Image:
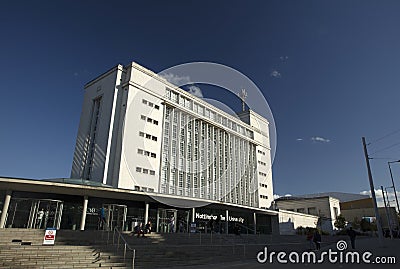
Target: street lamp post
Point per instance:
(387, 213)
(394, 188)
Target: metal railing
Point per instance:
(118, 240)
(247, 228)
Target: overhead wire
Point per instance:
(383, 137)
(386, 148)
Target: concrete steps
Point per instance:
(79, 249)
(71, 250)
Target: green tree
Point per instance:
(355, 224)
(340, 222)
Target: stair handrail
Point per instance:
(127, 247)
(247, 228)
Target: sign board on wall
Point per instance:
(193, 227)
(49, 236)
(222, 218)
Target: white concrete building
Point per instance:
(140, 132)
(326, 208)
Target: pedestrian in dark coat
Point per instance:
(352, 234)
(317, 240)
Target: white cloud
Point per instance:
(275, 74)
(320, 139)
(181, 81)
(196, 91)
(299, 139)
(379, 197)
(284, 58)
(276, 196)
(175, 79)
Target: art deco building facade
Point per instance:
(139, 132)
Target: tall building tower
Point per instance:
(140, 132)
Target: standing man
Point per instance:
(172, 223)
(317, 240)
(352, 234)
(39, 219)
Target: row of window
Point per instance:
(145, 102)
(148, 136)
(310, 210)
(212, 158)
(262, 174)
(146, 153)
(263, 196)
(143, 117)
(145, 171)
(138, 188)
(261, 152)
(263, 185)
(262, 163)
(208, 113)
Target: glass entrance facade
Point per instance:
(42, 210)
(34, 213)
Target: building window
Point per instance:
(149, 120)
(145, 171)
(152, 172)
(144, 101)
(148, 136)
(157, 107)
(153, 138)
(140, 151)
(153, 155)
(155, 122)
(150, 104)
(143, 117)
(141, 134)
(312, 210)
(138, 169)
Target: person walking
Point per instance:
(172, 224)
(39, 219)
(317, 240)
(352, 234)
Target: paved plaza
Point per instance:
(390, 248)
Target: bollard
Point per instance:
(133, 259)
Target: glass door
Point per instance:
(115, 216)
(35, 214)
(167, 220)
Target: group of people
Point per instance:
(141, 229)
(41, 219)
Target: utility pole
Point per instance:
(371, 184)
(394, 188)
(387, 213)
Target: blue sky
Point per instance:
(330, 71)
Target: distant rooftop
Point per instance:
(341, 196)
(77, 181)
